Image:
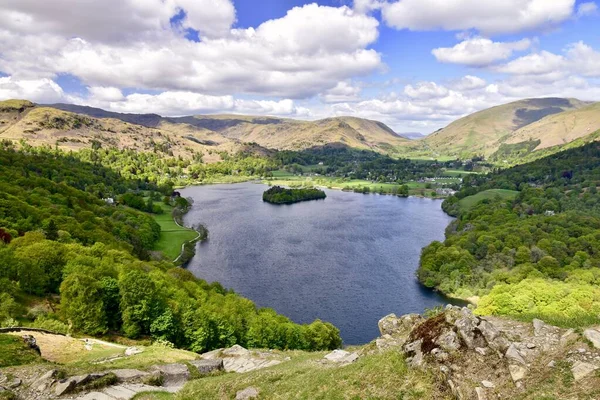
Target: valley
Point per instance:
(100, 212)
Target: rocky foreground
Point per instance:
(470, 357)
(488, 357)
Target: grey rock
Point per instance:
(481, 350)
(341, 356)
(32, 343)
(44, 381)
(593, 335)
(513, 355)
(413, 350)
(246, 394)
(517, 372)
(440, 355)
(480, 393)
(494, 338)
(488, 384)
(399, 328)
(581, 370)
(14, 383)
(208, 366)
(236, 351)
(448, 341)
(212, 354)
(174, 374)
(539, 327)
(65, 386)
(131, 351)
(552, 364)
(125, 375)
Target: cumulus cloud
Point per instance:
(425, 91)
(342, 92)
(585, 9)
(508, 16)
(105, 93)
(114, 20)
(479, 52)
(468, 82)
(304, 53)
(37, 90)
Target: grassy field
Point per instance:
(380, 376)
(470, 201)
(284, 178)
(172, 236)
(15, 352)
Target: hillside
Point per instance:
(269, 132)
(483, 132)
(559, 129)
(43, 125)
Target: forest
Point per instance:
(279, 195)
(536, 255)
(71, 261)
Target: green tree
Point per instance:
(82, 305)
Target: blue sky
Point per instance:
(413, 64)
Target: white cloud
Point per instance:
(479, 51)
(579, 58)
(425, 91)
(365, 6)
(586, 9)
(342, 92)
(540, 63)
(488, 17)
(106, 93)
(177, 103)
(113, 20)
(304, 53)
(36, 90)
(468, 82)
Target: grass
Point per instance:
(380, 376)
(172, 236)
(470, 201)
(13, 352)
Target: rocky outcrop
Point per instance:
(498, 353)
(239, 359)
(341, 357)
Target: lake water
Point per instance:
(349, 259)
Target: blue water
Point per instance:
(349, 259)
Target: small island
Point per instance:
(279, 195)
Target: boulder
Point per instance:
(413, 350)
(399, 328)
(212, 354)
(65, 386)
(208, 366)
(32, 343)
(513, 355)
(126, 375)
(582, 369)
(173, 374)
(246, 394)
(488, 384)
(341, 357)
(539, 327)
(517, 372)
(235, 351)
(130, 351)
(44, 381)
(593, 335)
(480, 393)
(448, 341)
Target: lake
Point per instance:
(349, 259)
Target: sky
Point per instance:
(415, 65)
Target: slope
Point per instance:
(269, 132)
(560, 128)
(483, 132)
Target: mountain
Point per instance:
(483, 132)
(269, 132)
(559, 129)
(46, 125)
